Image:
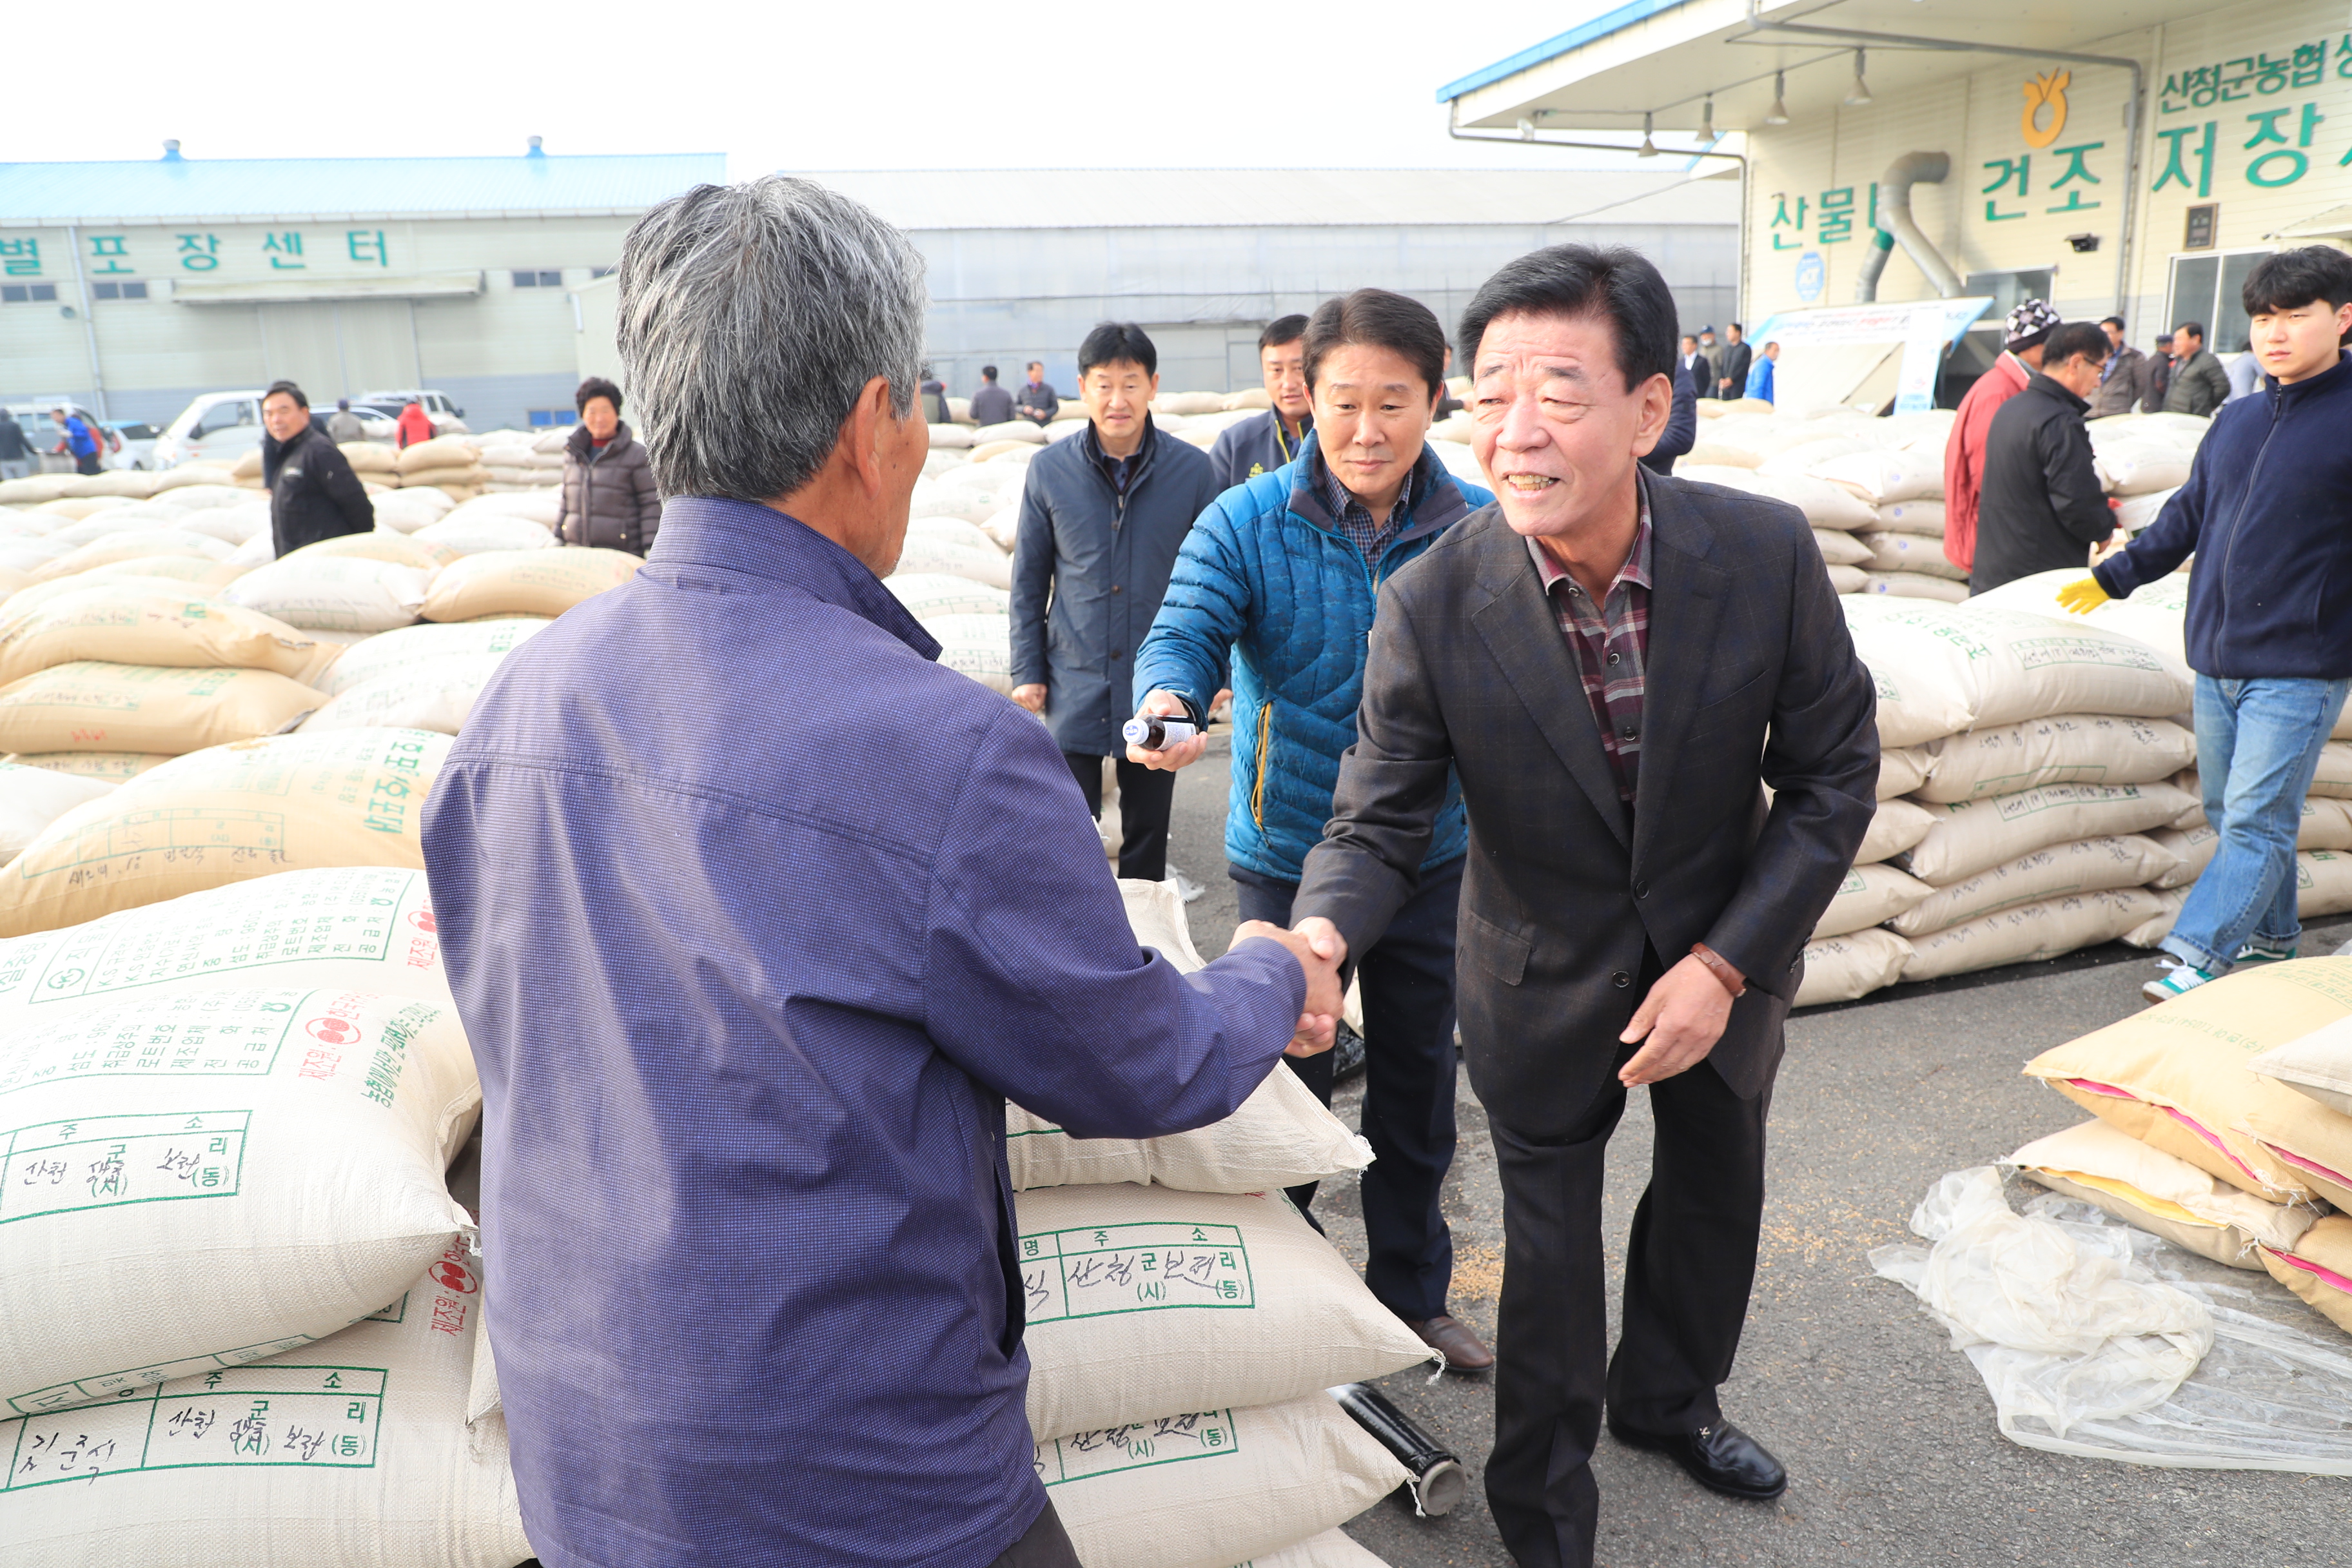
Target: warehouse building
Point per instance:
(132, 287)
(2135, 157)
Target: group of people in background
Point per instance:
(2179, 375)
(1730, 369)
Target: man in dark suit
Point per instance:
(1613, 664)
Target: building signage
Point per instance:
(1923, 328)
(202, 253)
(1810, 276)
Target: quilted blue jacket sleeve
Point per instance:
(1210, 597)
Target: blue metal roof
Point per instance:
(1576, 37)
(173, 189)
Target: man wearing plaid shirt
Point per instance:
(1614, 665)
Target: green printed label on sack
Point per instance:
(168, 832)
(1167, 1440)
(2043, 653)
(182, 1037)
(315, 1416)
(2033, 802)
(104, 1161)
(349, 916)
(1146, 1266)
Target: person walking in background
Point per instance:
(934, 397)
(344, 425)
(992, 405)
(1265, 442)
(1102, 516)
(313, 494)
(1700, 365)
(16, 452)
(1732, 366)
(2023, 334)
(1681, 433)
(1609, 669)
(1760, 372)
(610, 500)
(2156, 376)
(2042, 508)
(2268, 512)
(414, 425)
(2120, 380)
(2199, 386)
(1039, 402)
(1279, 578)
(1707, 346)
(81, 438)
(745, 1207)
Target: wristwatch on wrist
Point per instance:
(1733, 980)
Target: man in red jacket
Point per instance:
(415, 424)
(1964, 452)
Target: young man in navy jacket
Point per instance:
(2267, 511)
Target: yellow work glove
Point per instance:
(2083, 597)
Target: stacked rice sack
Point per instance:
(521, 461)
(2142, 459)
(2027, 766)
(2224, 1124)
(955, 572)
(451, 464)
(1183, 1322)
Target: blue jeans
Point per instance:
(2257, 748)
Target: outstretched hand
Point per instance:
(1320, 949)
(2081, 598)
(1678, 1022)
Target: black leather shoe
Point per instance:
(1720, 1458)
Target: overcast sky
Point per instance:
(876, 86)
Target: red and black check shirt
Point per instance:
(1612, 644)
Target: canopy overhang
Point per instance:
(321, 290)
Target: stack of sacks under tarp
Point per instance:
(2041, 756)
(2156, 615)
(2224, 1125)
(1183, 1322)
(283, 1372)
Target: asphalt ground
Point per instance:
(1887, 1432)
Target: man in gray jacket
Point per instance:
(2121, 383)
(1102, 516)
(2200, 384)
(1265, 442)
(992, 405)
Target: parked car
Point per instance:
(218, 427)
(449, 419)
(134, 443)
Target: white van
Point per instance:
(218, 427)
(449, 419)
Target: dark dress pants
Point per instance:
(1408, 993)
(1045, 1545)
(1690, 1261)
(1145, 796)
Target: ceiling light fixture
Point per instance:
(1858, 94)
(1648, 149)
(1779, 113)
(1706, 120)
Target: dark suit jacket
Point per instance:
(1751, 680)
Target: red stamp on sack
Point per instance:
(452, 1275)
(333, 1031)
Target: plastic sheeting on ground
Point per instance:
(2106, 1343)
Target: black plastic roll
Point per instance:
(1438, 1480)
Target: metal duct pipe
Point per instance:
(1894, 216)
(1881, 245)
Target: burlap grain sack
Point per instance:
(31, 798)
(954, 532)
(2160, 1193)
(114, 767)
(1880, 476)
(1921, 517)
(1891, 552)
(2319, 1269)
(930, 555)
(440, 452)
(1010, 452)
(1847, 579)
(2317, 1064)
(370, 456)
(946, 436)
(2179, 1074)
(413, 551)
(132, 482)
(457, 484)
(1281, 1136)
(1971, 835)
(334, 593)
(115, 625)
(2000, 665)
(1894, 828)
(232, 525)
(1912, 586)
(352, 1452)
(2027, 933)
(525, 581)
(1185, 404)
(2323, 882)
(1824, 505)
(2334, 779)
(2082, 866)
(1840, 548)
(132, 545)
(977, 646)
(1901, 770)
(406, 510)
(204, 577)
(230, 814)
(1147, 1298)
(2138, 512)
(2156, 615)
(477, 533)
(1332, 1548)
(1870, 895)
(301, 1133)
(2138, 467)
(2068, 748)
(928, 593)
(1841, 968)
(1214, 1487)
(87, 705)
(39, 489)
(435, 694)
(355, 928)
(411, 647)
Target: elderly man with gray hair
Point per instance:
(756, 916)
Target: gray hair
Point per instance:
(751, 317)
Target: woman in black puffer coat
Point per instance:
(609, 499)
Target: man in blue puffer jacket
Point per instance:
(2267, 511)
(1282, 574)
